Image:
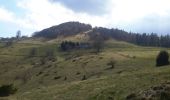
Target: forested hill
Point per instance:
(143, 39)
(64, 29)
(73, 28)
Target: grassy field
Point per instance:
(79, 74)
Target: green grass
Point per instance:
(134, 71)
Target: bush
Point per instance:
(98, 43)
(32, 52)
(50, 54)
(6, 90)
(84, 77)
(42, 61)
(162, 58)
(111, 63)
(8, 43)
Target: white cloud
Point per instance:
(132, 10)
(42, 13)
(124, 14)
(6, 15)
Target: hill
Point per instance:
(41, 70)
(79, 74)
(64, 29)
(77, 28)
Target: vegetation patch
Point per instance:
(162, 58)
(6, 90)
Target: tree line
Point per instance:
(69, 45)
(144, 39)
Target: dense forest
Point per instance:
(144, 39)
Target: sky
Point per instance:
(29, 16)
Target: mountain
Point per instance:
(64, 29)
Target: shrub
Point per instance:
(98, 43)
(65, 78)
(84, 77)
(50, 54)
(8, 43)
(6, 90)
(26, 76)
(32, 52)
(42, 61)
(57, 77)
(111, 63)
(162, 58)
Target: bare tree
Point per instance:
(18, 34)
(98, 43)
(111, 63)
(26, 76)
(32, 52)
(8, 43)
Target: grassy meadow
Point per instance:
(79, 74)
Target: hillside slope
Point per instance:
(79, 74)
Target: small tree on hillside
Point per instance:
(98, 43)
(32, 52)
(111, 63)
(18, 34)
(50, 54)
(26, 76)
(8, 43)
(162, 58)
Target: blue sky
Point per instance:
(8, 29)
(131, 15)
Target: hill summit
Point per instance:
(64, 29)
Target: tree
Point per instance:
(8, 43)
(32, 52)
(26, 76)
(69, 45)
(50, 54)
(162, 58)
(111, 63)
(18, 34)
(98, 43)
